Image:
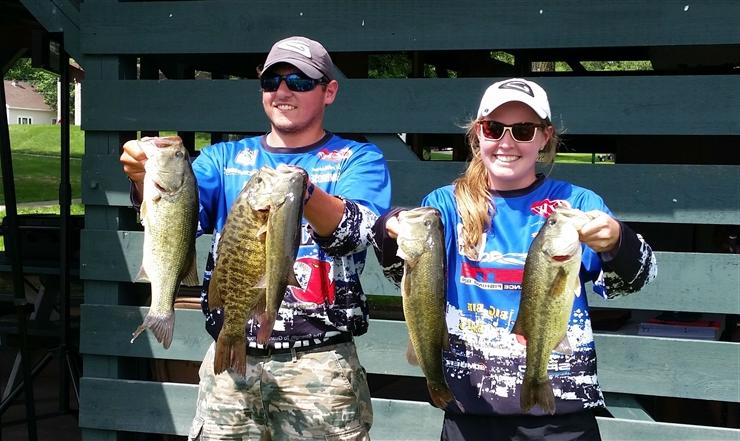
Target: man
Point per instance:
(307, 382)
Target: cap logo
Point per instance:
(518, 85)
(296, 46)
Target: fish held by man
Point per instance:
(282, 241)
(238, 280)
(549, 285)
(169, 214)
(423, 289)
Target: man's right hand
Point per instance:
(133, 159)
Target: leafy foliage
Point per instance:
(43, 81)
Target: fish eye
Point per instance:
(258, 179)
(427, 223)
(551, 221)
(179, 154)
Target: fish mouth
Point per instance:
(561, 258)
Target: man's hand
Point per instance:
(133, 159)
(601, 233)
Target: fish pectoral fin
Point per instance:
(261, 283)
(564, 346)
(142, 275)
(559, 284)
(191, 275)
(411, 356)
(262, 232)
(292, 280)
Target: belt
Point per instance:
(344, 337)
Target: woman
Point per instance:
(491, 215)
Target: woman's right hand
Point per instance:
(133, 159)
(392, 225)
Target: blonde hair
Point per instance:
(474, 202)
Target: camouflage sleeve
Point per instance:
(631, 267)
(353, 234)
(386, 249)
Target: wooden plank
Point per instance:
(627, 363)
(620, 430)
(636, 105)
(237, 27)
(634, 192)
(625, 406)
(169, 408)
(689, 194)
(682, 275)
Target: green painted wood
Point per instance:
(682, 275)
(61, 16)
(624, 406)
(620, 430)
(636, 105)
(627, 363)
(690, 194)
(236, 27)
(634, 192)
(169, 408)
(103, 259)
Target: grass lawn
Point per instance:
(36, 151)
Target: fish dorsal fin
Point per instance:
(261, 283)
(564, 346)
(142, 275)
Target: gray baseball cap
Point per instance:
(307, 55)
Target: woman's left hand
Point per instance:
(601, 234)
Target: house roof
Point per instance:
(21, 95)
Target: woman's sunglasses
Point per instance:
(295, 82)
(521, 132)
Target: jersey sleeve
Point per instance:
(625, 270)
(207, 170)
(365, 186)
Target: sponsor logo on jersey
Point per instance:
(314, 275)
(246, 157)
(546, 207)
(296, 46)
(335, 155)
(325, 177)
(233, 171)
(520, 86)
(491, 278)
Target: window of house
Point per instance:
(25, 120)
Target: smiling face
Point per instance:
(296, 118)
(511, 164)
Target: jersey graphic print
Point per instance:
(329, 298)
(486, 360)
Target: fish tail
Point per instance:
(231, 353)
(161, 326)
(537, 392)
(440, 394)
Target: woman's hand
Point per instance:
(601, 233)
(392, 225)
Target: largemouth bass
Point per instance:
(169, 213)
(548, 288)
(423, 289)
(282, 241)
(238, 279)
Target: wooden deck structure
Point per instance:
(675, 131)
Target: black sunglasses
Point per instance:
(295, 82)
(521, 132)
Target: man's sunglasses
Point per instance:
(521, 132)
(295, 82)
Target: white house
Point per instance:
(24, 105)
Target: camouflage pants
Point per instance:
(313, 395)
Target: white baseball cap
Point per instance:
(515, 89)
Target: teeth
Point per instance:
(285, 107)
(505, 158)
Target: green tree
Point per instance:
(44, 82)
